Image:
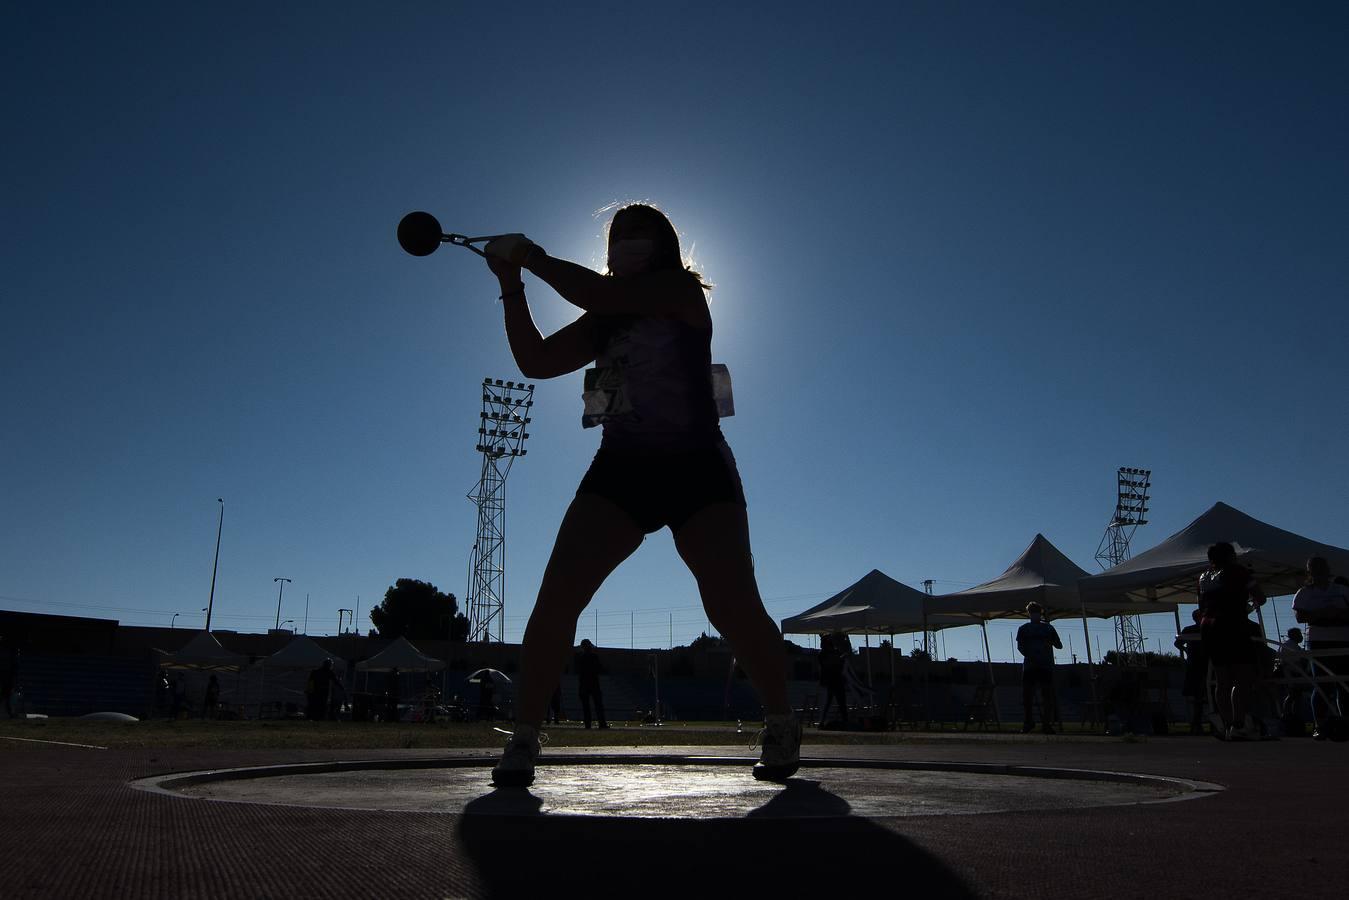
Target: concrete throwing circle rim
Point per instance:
(172, 784)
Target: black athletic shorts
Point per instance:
(1228, 642)
(660, 488)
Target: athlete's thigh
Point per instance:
(595, 536)
(714, 544)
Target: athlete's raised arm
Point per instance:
(669, 293)
(566, 350)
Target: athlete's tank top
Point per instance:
(651, 387)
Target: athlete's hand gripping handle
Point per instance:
(515, 249)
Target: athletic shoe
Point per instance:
(516, 768)
(1252, 730)
(1217, 727)
(781, 742)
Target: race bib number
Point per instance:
(605, 395)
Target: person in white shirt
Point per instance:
(1323, 606)
(1293, 665)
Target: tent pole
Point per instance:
(892, 661)
(867, 637)
(988, 654)
(1091, 669)
(927, 673)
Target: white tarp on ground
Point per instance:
(205, 653)
(1171, 570)
(404, 657)
(876, 604)
(1042, 574)
(303, 653)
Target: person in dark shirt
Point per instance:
(1227, 592)
(1293, 669)
(555, 706)
(9, 673)
(212, 699)
(487, 710)
(391, 697)
(176, 690)
(317, 688)
(588, 671)
(1037, 640)
(833, 665)
(1191, 646)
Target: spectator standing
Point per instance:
(833, 664)
(317, 689)
(555, 706)
(176, 690)
(9, 673)
(163, 693)
(487, 686)
(1323, 606)
(391, 697)
(212, 699)
(588, 672)
(1227, 592)
(1190, 643)
(1036, 641)
(1293, 667)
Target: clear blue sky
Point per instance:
(969, 257)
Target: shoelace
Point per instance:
(543, 737)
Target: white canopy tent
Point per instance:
(1170, 571)
(203, 653)
(404, 657)
(302, 653)
(400, 655)
(1041, 574)
(875, 604)
(285, 671)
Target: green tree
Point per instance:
(417, 610)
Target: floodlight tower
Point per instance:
(501, 437)
(1131, 509)
(929, 634)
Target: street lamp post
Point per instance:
(171, 621)
(287, 622)
(210, 603)
(281, 582)
(339, 618)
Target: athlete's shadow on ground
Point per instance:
(804, 839)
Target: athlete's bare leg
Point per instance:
(715, 546)
(596, 535)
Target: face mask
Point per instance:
(628, 257)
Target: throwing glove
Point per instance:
(512, 248)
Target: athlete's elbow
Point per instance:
(532, 369)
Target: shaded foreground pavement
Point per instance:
(70, 827)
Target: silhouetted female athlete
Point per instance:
(662, 462)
